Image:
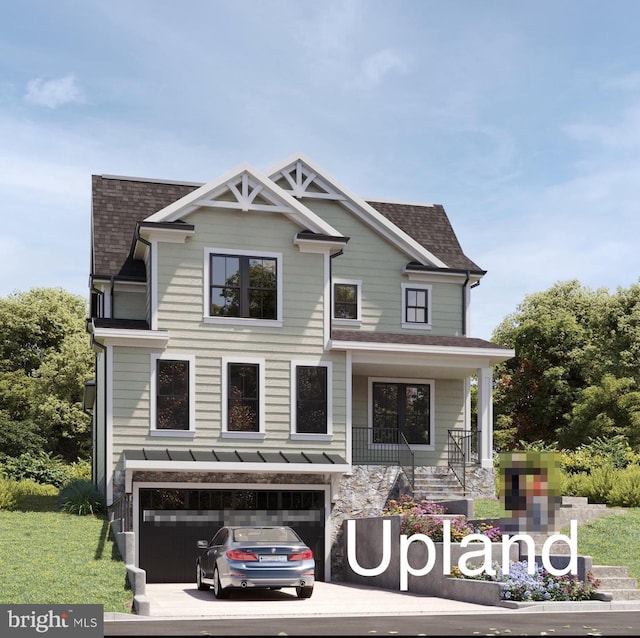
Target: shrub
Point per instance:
(425, 517)
(80, 497)
(626, 490)
(13, 492)
(518, 585)
(42, 468)
(8, 497)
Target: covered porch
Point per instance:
(409, 401)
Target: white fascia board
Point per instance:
(491, 355)
(134, 338)
(302, 215)
(175, 235)
(366, 212)
(217, 466)
(445, 276)
(317, 245)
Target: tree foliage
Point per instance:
(45, 360)
(576, 372)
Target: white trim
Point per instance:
(306, 436)
(169, 356)
(153, 309)
(363, 210)
(131, 338)
(349, 406)
(292, 208)
(326, 301)
(108, 426)
(320, 487)
(224, 396)
(347, 282)
(488, 356)
(427, 288)
(243, 321)
(444, 276)
(432, 408)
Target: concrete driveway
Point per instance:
(171, 600)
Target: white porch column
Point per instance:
(485, 417)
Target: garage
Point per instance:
(172, 520)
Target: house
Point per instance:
(270, 347)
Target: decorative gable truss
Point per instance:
(299, 176)
(245, 189)
(302, 181)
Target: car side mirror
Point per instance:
(203, 544)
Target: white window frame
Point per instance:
(432, 409)
(307, 436)
(153, 408)
(412, 325)
(338, 321)
(224, 377)
(242, 321)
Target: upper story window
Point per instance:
(347, 300)
(416, 306)
(243, 286)
(173, 390)
(243, 397)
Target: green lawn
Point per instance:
(610, 540)
(51, 557)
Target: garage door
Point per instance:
(173, 520)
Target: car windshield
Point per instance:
(265, 535)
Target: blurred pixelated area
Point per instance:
(530, 489)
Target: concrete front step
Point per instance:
(610, 571)
(621, 594)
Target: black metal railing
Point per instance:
(122, 508)
(382, 446)
(462, 451)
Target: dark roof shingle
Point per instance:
(118, 203)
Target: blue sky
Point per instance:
(521, 118)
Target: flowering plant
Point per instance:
(519, 585)
(424, 517)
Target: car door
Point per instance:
(214, 550)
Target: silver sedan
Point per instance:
(258, 556)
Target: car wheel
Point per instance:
(304, 592)
(218, 592)
(201, 586)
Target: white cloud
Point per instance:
(55, 92)
(375, 67)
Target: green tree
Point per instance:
(45, 360)
(551, 333)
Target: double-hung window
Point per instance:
(243, 395)
(311, 403)
(347, 301)
(173, 387)
(416, 306)
(243, 286)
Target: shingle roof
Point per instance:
(413, 339)
(118, 203)
(429, 226)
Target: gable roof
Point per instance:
(120, 203)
